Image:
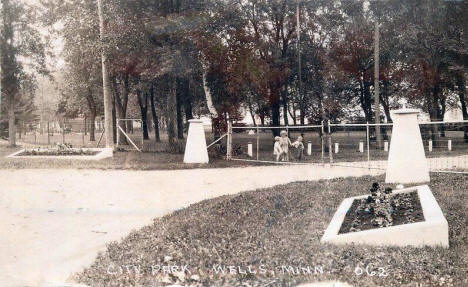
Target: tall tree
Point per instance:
(22, 46)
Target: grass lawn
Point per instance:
(121, 160)
(274, 231)
(348, 146)
(156, 156)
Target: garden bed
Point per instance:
(64, 153)
(384, 219)
(57, 152)
(405, 208)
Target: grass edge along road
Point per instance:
(278, 229)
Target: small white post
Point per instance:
(361, 147)
(258, 142)
(309, 148)
(229, 142)
(386, 146)
(118, 133)
(337, 147)
(368, 141)
(249, 149)
(449, 145)
(430, 146)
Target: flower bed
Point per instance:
(63, 151)
(57, 152)
(399, 216)
(382, 209)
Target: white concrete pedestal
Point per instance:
(433, 231)
(406, 160)
(195, 149)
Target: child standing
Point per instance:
(277, 148)
(299, 145)
(284, 143)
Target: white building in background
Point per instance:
(453, 114)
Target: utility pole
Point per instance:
(108, 126)
(42, 107)
(1, 65)
(376, 84)
(1, 62)
(298, 32)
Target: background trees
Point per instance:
(172, 60)
(22, 56)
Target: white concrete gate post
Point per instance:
(406, 160)
(195, 149)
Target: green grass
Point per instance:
(282, 226)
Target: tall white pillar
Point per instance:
(406, 159)
(195, 149)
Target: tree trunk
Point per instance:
(121, 100)
(85, 126)
(252, 114)
(284, 101)
(441, 113)
(292, 112)
(461, 94)
(179, 118)
(206, 89)
(378, 136)
(106, 84)
(262, 119)
(9, 79)
(275, 111)
(172, 110)
(387, 111)
(11, 122)
(20, 130)
(92, 127)
(157, 137)
(143, 103)
(433, 113)
(188, 103)
(114, 120)
(92, 111)
(144, 123)
(365, 98)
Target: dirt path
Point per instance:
(54, 222)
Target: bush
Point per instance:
(217, 151)
(4, 129)
(220, 150)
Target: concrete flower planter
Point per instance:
(433, 231)
(102, 153)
